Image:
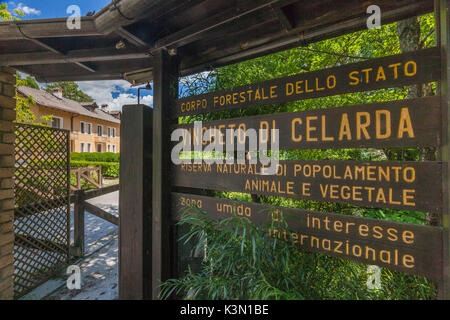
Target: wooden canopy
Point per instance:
(120, 40)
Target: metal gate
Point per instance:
(42, 212)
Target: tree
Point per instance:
(6, 15)
(23, 111)
(70, 91)
(27, 82)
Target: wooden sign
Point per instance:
(383, 184)
(403, 247)
(393, 71)
(405, 123)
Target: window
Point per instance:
(100, 130)
(88, 147)
(85, 127)
(109, 132)
(109, 148)
(114, 132)
(114, 148)
(57, 122)
(82, 147)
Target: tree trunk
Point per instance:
(410, 40)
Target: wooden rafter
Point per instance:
(105, 54)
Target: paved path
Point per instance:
(99, 268)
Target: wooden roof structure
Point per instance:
(118, 42)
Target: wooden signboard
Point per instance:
(397, 246)
(384, 184)
(405, 123)
(393, 71)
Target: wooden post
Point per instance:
(165, 75)
(79, 223)
(135, 203)
(78, 179)
(100, 180)
(443, 36)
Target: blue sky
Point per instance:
(115, 93)
(45, 9)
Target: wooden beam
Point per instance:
(84, 55)
(80, 77)
(284, 19)
(132, 38)
(195, 32)
(279, 41)
(165, 92)
(96, 211)
(135, 203)
(122, 13)
(51, 49)
(48, 28)
(100, 192)
(442, 12)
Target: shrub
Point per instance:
(95, 156)
(109, 169)
(243, 262)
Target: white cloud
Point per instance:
(101, 92)
(128, 98)
(26, 9)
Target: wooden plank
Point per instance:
(30, 242)
(383, 184)
(135, 203)
(96, 211)
(83, 55)
(100, 192)
(197, 30)
(442, 8)
(330, 26)
(393, 71)
(165, 91)
(89, 179)
(48, 28)
(405, 123)
(78, 222)
(132, 38)
(397, 246)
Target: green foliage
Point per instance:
(23, 112)
(70, 91)
(6, 15)
(27, 82)
(109, 169)
(243, 262)
(95, 156)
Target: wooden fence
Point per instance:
(85, 173)
(80, 206)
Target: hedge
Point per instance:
(109, 169)
(95, 156)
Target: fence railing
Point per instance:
(85, 173)
(80, 206)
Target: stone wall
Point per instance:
(7, 115)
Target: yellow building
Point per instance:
(92, 128)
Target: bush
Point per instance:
(243, 262)
(95, 156)
(109, 169)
